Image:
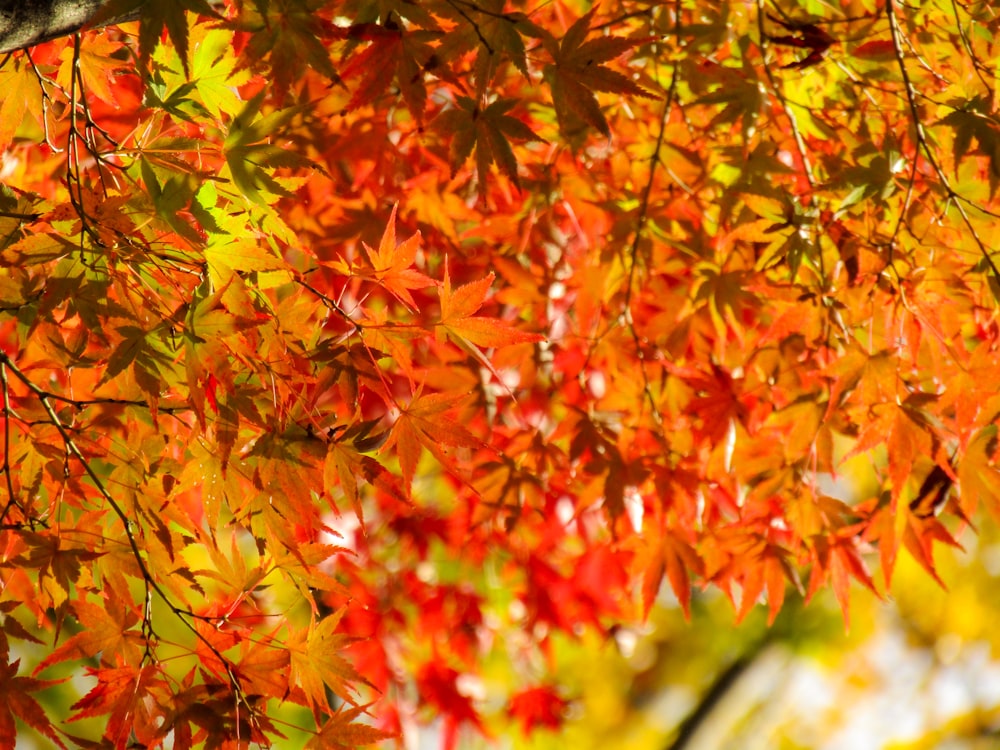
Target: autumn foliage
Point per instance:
(349, 346)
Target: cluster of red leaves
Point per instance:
(307, 405)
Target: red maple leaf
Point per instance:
(540, 706)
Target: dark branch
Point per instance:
(722, 684)
(24, 23)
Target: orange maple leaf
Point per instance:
(342, 732)
(263, 668)
(458, 307)
(424, 423)
(838, 559)
(317, 662)
(919, 535)
(108, 629)
(391, 264)
(665, 553)
(394, 52)
(121, 693)
(344, 465)
(978, 477)
(577, 72)
(16, 700)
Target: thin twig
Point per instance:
(150, 584)
(641, 221)
(921, 136)
(328, 303)
(779, 95)
(475, 26)
(6, 468)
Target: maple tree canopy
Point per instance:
(348, 347)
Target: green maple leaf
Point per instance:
(252, 156)
(155, 16)
(214, 72)
(973, 120)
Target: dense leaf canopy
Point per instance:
(348, 346)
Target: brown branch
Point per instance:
(24, 23)
(150, 583)
(6, 468)
(722, 684)
(19, 216)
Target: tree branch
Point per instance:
(24, 23)
(149, 581)
(722, 684)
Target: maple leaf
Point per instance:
(458, 308)
(317, 663)
(494, 35)
(919, 535)
(107, 630)
(489, 131)
(58, 566)
(539, 706)
(839, 559)
(22, 94)
(805, 36)
(346, 466)
(717, 402)
(424, 422)
(395, 342)
(289, 36)
(97, 67)
(391, 264)
(214, 72)
(671, 556)
(578, 71)
(16, 701)
(263, 668)
(437, 683)
(974, 120)
(569, 601)
(168, 14)
(252, 156)
(342, 731)
(769, 571)
(394, 53)
(123, 692)
(906, 434)
(978, 476)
